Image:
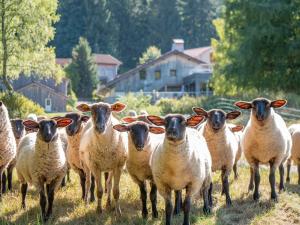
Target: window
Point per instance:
(143, 75)
(157, 75)
(173, 73)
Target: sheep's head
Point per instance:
(75, 126)
(18, 127)
(261, 107)
(101, 113)
(47, 129)
(175, 125)
(138, 130)
(216, 118)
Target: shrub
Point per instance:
(72, 101)
(19, 106)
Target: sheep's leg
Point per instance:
(281, 183)
(256, 181)
(225, 184)
(82, 183)
(63, 182)
(98, 180)
(251, 183)
(153, 198)
(222, 178)
(108, 186)
(87, 184)
(43, 202)
(143, 193)
(187, 207)
(50, 194)
(178, 202)
(116, 189)
(288, 169)
(205, 195)
(23, 192)
(92, 189)
(3, 182)
(236, 175)
(168, 206)
(298, 173)
(272, 181)
(210, 200)
(68, 175)
(9, 176)
(106, 174)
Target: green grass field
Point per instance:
(70, 210)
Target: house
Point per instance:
(173, 74)
(107, 66)
(46, 92)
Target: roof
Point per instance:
(145, 65)
(106, 59)
(197, 52)
(63, 61)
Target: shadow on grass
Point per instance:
(243, 211)
(294, 188)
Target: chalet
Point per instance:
(173, 74)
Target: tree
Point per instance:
(258, 47)
(150, 54)
(26, 28)
(196, 18)
(82, 70)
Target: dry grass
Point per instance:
(70, 210)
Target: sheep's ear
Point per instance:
(194, 120)
(156, 120)
(200, 111)
(83, 107)
(31, 124)
(278, 103)
(117, 107)
(129, 119)
(237, 128)
(84, 118)
(121, 128)
(156, 130)
(243, 105)
(232, 115)
(63, 122)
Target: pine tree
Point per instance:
(82, 71)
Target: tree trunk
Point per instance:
(5, 80)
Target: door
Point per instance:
(48, 105)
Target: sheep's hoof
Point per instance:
(228, 202)
(99, 209)
(256, 196)
(206, 210)
(92, 199)
(281, 189)
(145, 214)
(274, 197)
(23, 206)
(108, 206)
(155, 214)
(45, 218)
(288, 180)
(176, 211)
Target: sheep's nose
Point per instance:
(100, 128)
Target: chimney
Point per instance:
(178, 44)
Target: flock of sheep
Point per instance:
(173, 153)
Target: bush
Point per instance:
(19, 106)
(72, 101)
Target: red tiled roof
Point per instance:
(63, 61)
(106, 59)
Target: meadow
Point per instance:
(70, 210)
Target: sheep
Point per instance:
(19, 132)
(104, 149)
(295, 152)
(141, 144)
(237, 131)
(7, 142)
(222, 143)
(41, 161)
(74, 132)
(265, 139)
(181, 161)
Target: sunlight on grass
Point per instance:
(70, 210)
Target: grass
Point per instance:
(70, 210)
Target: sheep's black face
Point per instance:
(175, 127)
(74, 127)
(261, 109)
(216, 119)
(100, 114)
(47, 130)
(18, 128)
(139, 134)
